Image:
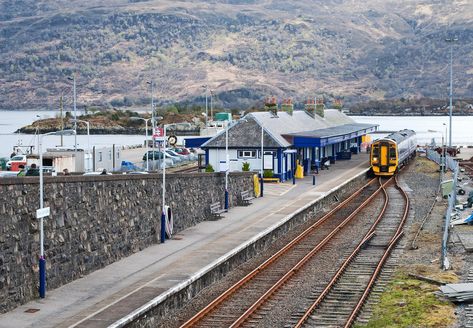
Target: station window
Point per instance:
(246, 153)
(100, 156)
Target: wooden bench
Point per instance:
(245, 198)
(276, 180)
(216, 210)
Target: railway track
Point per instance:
(248, 301)
(341, 301)
(188, 169)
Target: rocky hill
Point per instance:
(242, 49)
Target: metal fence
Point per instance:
(452, 165)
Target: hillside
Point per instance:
(243, 49)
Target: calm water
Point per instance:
(11, 121)
(426, 127)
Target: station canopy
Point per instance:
(329, 136)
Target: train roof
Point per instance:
(400, 136)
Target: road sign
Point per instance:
(158, 132)
(42, 212)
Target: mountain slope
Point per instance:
(244, 50)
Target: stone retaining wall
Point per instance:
(95, 221)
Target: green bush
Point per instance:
(268, 174)
(246, 167)
(209, 168)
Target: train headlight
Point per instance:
(375, 159)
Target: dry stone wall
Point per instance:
(94, 221)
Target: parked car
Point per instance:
(175, 157)
(158, 156)
(182, 158)
(185, 152)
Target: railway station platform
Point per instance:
(108, 297)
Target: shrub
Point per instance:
(209, 168)
(246, 167)
(268, 173)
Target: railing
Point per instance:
(452, 165)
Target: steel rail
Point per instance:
(302, 262)
(392, 244)
(347, 262)
(205, 311)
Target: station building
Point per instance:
(288, 138)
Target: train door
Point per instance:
(384, 154)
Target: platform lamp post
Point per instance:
(136, 118)
(451, 41)
(43, 212)
(262, 159)
(227, 166)
(163, 214)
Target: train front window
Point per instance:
(392, 153)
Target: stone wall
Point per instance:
(94, 221)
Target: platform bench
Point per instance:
(276, 180)
(246, 198)
(216, 210)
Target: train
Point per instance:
(389, 154)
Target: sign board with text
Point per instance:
(43, 212)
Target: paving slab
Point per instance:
(107, 295)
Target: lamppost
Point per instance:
(41, 213)
(451, 41)
(211, 106)
(227, 166)
(73, 78)
(444, 152)
(146, 140)
(163, 214)
(262, 159)
(153, 122)
(206, 105)
(88, 139)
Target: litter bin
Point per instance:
(332, 159)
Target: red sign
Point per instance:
(158, 132)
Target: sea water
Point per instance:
(426, 127)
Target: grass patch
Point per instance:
(408, 302)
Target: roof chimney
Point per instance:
(287, 106)
(310, 107)
(271, 105)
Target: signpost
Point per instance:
(43, 212)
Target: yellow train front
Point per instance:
(389, 154)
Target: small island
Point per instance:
(116, 122)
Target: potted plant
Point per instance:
(246, 167)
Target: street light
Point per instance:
(227, 166)
(146, 140)
(262, 159)
(73, 78)
(451, 41)
(88, 139)
(153, 122)
(206, 104)
(444, 153)
(42, 260)
(163, 214)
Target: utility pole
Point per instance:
(75, 116)
(62, 121)
(451, 41)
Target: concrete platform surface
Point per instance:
(103, 297)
